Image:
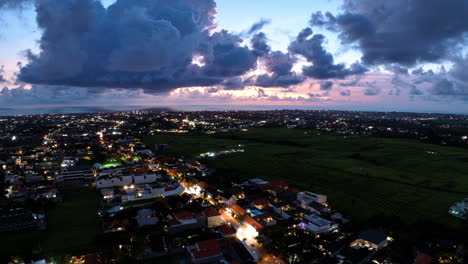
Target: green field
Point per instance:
(71, 229)
(363, 176)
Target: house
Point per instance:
(227, 197)
(236, 209)
(184, 220)
(116, 225)
(20, 220)
(87, 259)
(253, 223)
(109, 180)
(185, 216)
(260, 203)
(145, 217)
(226, 230)
(318, 225)
(275, 187)
(145, 178)
(257, 181)
(213, 217)
(305, 198)
(373, 240)
(316, 207)
(284, 209)
(119, 180)
(265, 219)
(82, 173)
(203, 185)
(207, 251)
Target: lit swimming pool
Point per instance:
(256, 212)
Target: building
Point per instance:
(207, 251)
(139, 192)
(83, 173)
(213, 217)
(86, 259)
(305, 198)
(372, 240)
(318, 225)
(260, 203)
(21, 220)
(226, 230)
(237, 210)
(33, 177)
(108, 180)
(145, 217)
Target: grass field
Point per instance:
(71, 229)
(362, 176)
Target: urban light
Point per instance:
(246, 232)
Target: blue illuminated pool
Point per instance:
(256, 212)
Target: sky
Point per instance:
(373, 55)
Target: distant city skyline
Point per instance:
(368, 55)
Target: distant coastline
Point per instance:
(11, 111)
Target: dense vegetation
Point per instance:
(364, 177)
(72, 227)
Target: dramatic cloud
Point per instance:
(43, 94)
(345, 93)
(212, 90)
(371, 88)
(278, 65)
(444, 84)
(258, 26)
(233, 84)
(326, 86)
(260, 45)
(13, 4)
(400, 31)
(133, 44)
(160, 46)
(310, 46)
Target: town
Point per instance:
(93, 184)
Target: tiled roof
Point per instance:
(238, 210)
(207, 248)
(184, 215)
(227, 230)
(210, 212)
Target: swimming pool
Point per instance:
(256, 212)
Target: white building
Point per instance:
(213, 218)
(372, 240)
(108, 181)
(141, 192)
(306, 198)
(319, 225)
(76, 173)
(118, 180)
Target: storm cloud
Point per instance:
(406, 32)
(310, 46)
(133, 44)
(13, 4)
(278, 65)
(326, 86)
(446, 85)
